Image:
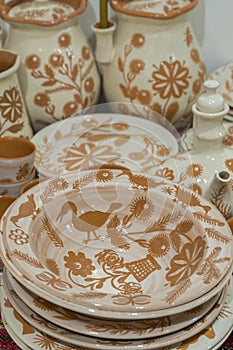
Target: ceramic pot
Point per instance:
(58, 74)
(208, 161)
(14, 120)
(155, 60)
(220, 194)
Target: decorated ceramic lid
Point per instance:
(41, 12)
(160, 9)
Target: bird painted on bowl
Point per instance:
(89, 221)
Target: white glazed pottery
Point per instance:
(144, 230)
(58, 74)
(155, 59)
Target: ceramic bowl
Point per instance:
(16, 159)
(5, 202)
(14, 188)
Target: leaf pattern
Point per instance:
(51, 232)
(28, 259)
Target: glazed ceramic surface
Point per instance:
(126, 237)
(103, 328)
(16, 159)
(20, 310)
(14, 120)
(58, 74)
(91, 141)
(162, 77)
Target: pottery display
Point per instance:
(14, 120)
(58, 73)
(207, 167)
(155, 60)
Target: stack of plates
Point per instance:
(113, 259)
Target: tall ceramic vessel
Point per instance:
(58, 74)
(156, 60)
(14, 120)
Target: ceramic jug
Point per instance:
(58, 74)
(207, 167)
(155, 59)
(14, 120)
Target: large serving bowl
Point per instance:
(117, 242)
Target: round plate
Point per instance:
(92, 140)
(22, 312)
(129, 249)
(103, 328)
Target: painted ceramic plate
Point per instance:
(103, 328)
(24, 314)
(92, 140)
(128, 249)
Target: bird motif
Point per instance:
(89, 221)
(140, 181)
(26, 209)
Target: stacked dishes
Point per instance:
(115, 259)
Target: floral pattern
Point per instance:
(98, 144)
(61, 73)
(170, 81)
(11, 107)
(87, 155)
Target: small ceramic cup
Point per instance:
(5, 202)
(17, 156)
(14, 188)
